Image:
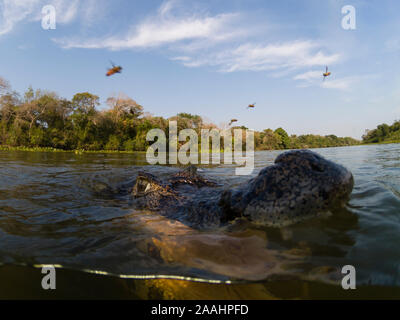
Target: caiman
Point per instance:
(301, 184)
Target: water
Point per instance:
(53, 210)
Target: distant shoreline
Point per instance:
(49, 149)
(382, 142)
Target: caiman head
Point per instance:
(151, 193)
(299, 185)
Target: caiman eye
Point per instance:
(148, 187)
(142, 185)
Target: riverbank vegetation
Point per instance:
(41, 120)
(383, 133)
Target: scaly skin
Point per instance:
(301, 184)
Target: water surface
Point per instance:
(53, 210)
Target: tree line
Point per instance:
(383, 133)
(42, 119)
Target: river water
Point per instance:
(54, 210)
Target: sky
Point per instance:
(213, 58)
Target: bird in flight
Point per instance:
(232, 121)
(326, 73)
(113, 70)
(251, 105)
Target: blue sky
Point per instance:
(215, 57)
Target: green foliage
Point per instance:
(195, 120)
(113, 143)
(129, 145)
(279, 139)
(383, 133)
(284, 138)
(37, 137)
(43, 121)
(85, 102)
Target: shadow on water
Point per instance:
(67, 209)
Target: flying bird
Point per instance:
(115, 69)
(232, 121)
(251, 105)
(326, 74)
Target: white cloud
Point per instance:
(66, 10)
(309, 76)
(341, 84)
(224, 41)
(181, 58)
(351, 82)
(163, 29)
(166, 7)
(315, 78)
(93, 11)
(13, 12)
(255, 57)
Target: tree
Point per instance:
(195, 120)
(35, 107)
(285, 140)
(270, 140)
(85, 103)
(122, 106)
(29, 94)
(383, 132)
(4, 85)
(8, 103)
(41, 118)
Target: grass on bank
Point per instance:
(49, 149)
